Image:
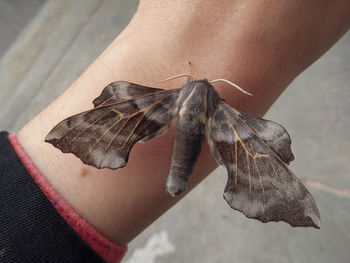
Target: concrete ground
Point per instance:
(64, 37)
(14, 16)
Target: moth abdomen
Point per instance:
(187, 148)
(190, 134)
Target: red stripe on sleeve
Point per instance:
(108, 250)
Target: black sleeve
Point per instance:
(31, 230)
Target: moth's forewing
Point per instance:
(259, 183)
(103, 137)
(122, 90)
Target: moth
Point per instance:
(256, 152)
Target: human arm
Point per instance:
(258, 46)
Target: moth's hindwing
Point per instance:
(103, 137)
(259, 183)
(273, 134)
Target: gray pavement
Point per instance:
(14, 16)
(64, 37)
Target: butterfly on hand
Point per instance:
(255, 152)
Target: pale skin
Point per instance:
(261, 45)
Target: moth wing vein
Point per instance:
(144, 111)
(104, 134)
(88, 127)
(131, 133)
(236, 164)
(130, 99)
(248, 165)
(260, 180)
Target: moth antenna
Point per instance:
(177, 76)
(232, 84)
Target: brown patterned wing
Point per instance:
(274, 135)
(260, 184)
(103, 137)
(122, 90)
